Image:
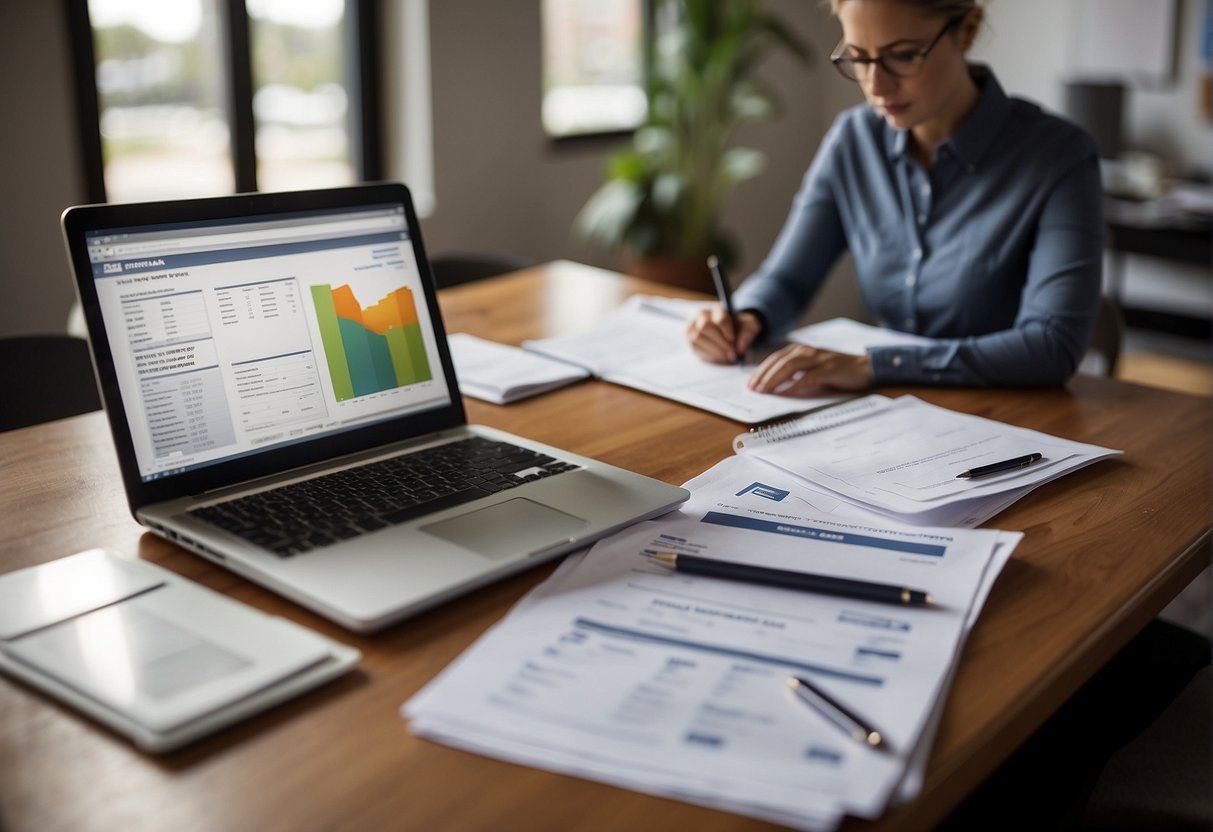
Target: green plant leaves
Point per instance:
(665, 193)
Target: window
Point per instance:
(593, 66)
(205, 97)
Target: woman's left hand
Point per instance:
(800, 370)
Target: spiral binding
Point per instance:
(802, 426)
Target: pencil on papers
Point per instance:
(835, 712)
(999, 467)
(825, 584)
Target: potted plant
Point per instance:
(661, 202)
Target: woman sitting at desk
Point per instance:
(972, 218)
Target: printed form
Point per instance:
(620, 670)
(901, 457)
(643, 345)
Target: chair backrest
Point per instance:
(454, 269)
(45, 377)
(1108, 335)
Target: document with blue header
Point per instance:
(622, 671)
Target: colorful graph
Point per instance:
(370, 349)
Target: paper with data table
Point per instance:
(619, 670)
(643, 345)
(902, 456)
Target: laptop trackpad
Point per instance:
(517, 526)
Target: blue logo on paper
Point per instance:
(769, 492)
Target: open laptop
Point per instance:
(283, 402)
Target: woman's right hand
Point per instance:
(714, 338)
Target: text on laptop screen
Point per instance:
(237, 336)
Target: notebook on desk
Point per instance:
(282, 399)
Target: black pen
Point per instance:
(726, 299)
(824, 584)
(999, 467)
(835, 712)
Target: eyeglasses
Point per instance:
(901, 63)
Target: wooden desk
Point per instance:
(1104, 550)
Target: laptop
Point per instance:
(282, 400)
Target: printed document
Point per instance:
(620, 670)
(902, 457)
(853, 338)
(501, 374)
(643, 345)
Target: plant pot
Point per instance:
(683, 272)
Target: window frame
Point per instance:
(363, 71)
(648, 29)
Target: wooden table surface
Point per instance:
(1104, 550)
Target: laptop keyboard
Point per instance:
(306, 515)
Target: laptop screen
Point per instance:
(232, 337)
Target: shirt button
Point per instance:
(897, 361)
(925, 190)
(910, 280)
(909, 322)
(922, 219)
(916, 254)
(936, 377)
(972, 168)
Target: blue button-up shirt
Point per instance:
(995, 252)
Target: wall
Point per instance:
(501, 185)
(1028, 42)
(38, 167)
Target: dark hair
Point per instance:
(933, 8)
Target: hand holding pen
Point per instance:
(721, 335)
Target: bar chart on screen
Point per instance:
(371, 348)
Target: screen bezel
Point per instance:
(78, 221)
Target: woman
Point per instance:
(973, 218)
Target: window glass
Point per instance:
(164, 130)
(301, 99)
(592, 66)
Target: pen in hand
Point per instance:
(806, 581)
(726, 300)
(999, 467)
(835, 712)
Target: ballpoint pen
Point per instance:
(835, 712)
(999, 467)
(725, 297)
(824, 584)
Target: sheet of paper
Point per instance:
(851, 337)
(904, 458)
(500, 373)
(643, 345)
(620, 670)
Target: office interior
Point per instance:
(489, 179)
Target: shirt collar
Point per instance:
(975, 133)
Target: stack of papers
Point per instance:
(502, 374)
(901, 458)
(619, 670)
(643, 345)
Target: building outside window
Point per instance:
(593, 66)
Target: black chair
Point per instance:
(454, 269)
(45, 377)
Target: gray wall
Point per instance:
(500, 184)
(39, 170)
